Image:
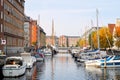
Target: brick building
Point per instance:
(72, 40)
(27, 34)
(63, 41)
(11, 26)
(50, 41)
(41, 37)
(111, 27)
(34, 34)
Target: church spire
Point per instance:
(53, 40)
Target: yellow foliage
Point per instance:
(82, 42)
(104, 37)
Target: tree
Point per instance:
(91, 42)
(94, 39)
(82, 42)
(105, 38)
(117, 36)
(77, 44)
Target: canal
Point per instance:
(63, 67)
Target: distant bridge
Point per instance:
(65, 49)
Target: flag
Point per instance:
(3, 42)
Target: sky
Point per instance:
(72, 17)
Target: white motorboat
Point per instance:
(48, 52)
(91, 62)
(14, 66)
(111, 61)
(94, 57)
(30, 60)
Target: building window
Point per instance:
(1, 2)
(1, 27)
(1, 15)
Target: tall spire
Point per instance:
(53, 41)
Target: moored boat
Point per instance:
(47, 52)
(39, 55)
(94, 57)
(111, 61)
(30, 60)
(14, 66)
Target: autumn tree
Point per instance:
(94, 39)
(77, 44)
(91, 42)
(105, 38)
(82, 42)
(117, 36)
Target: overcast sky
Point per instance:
(72, 17)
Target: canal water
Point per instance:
(63, 67)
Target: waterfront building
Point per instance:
(11, 26)
(41, 37)
(117, 22)
(63, 41)
(49, 40)
(27, 27)
(72, 40)
(111, 28)
(34, 34)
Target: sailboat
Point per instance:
(93, 62)
(111, 61)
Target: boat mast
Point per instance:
(91, 35)
(97, 30)
(53, 42)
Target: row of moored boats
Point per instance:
(97, 58)
(16, 65)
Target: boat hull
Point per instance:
(110, 64)
(112, 61)
(13, 70)
(91, 63)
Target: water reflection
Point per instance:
(38, 71)
(103, 73)
(18, 78)
(111, 73)
(93, 73)
(63, 67)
